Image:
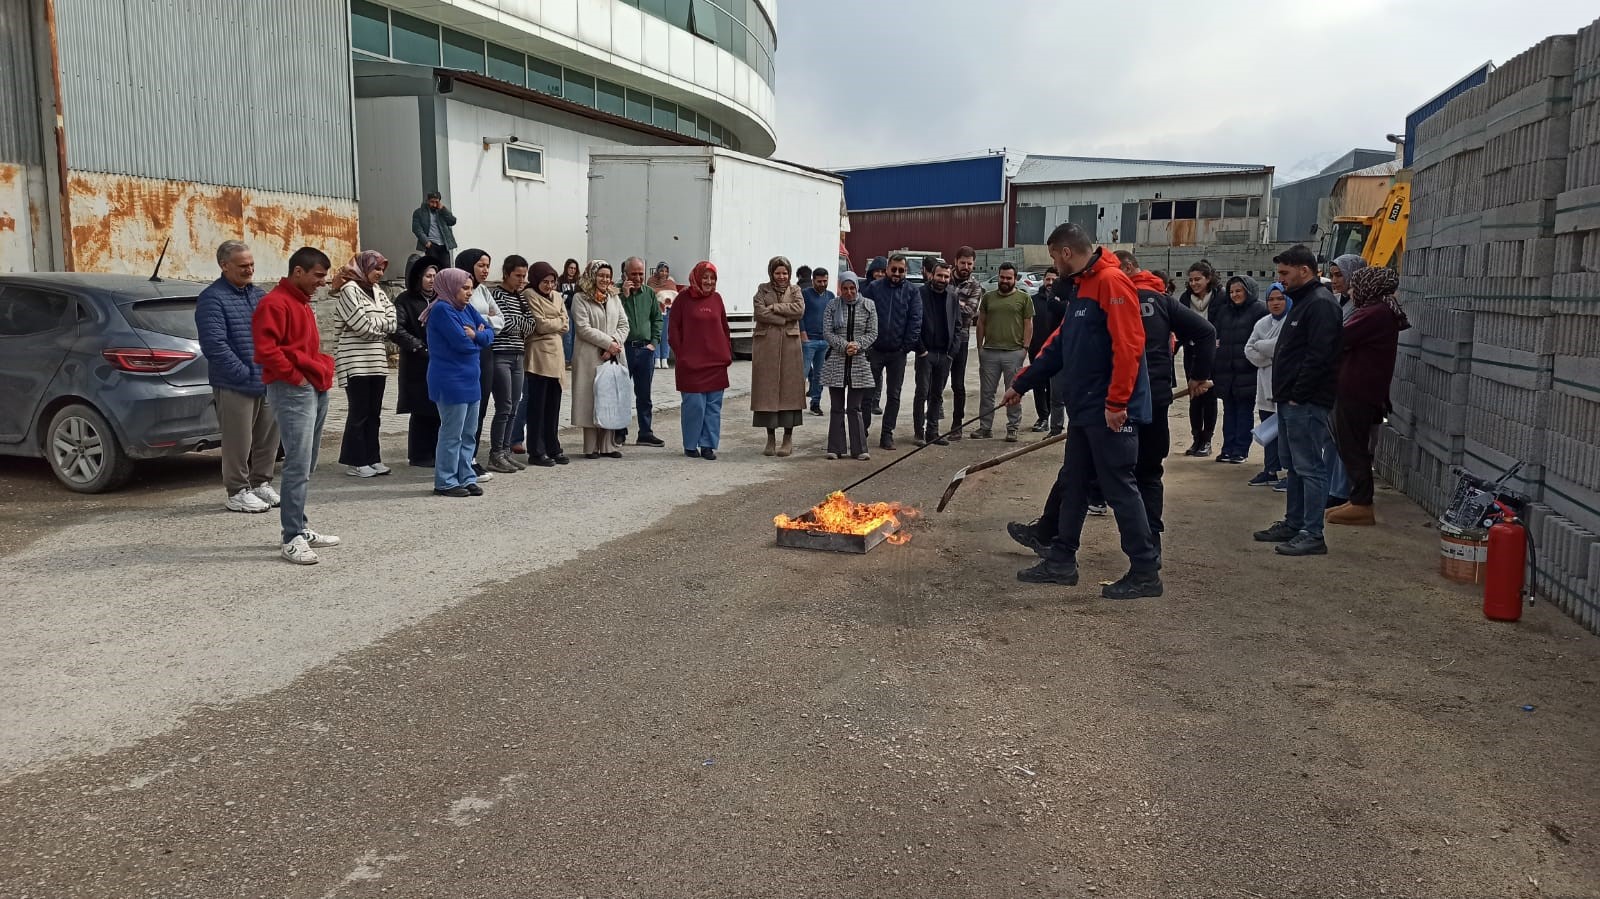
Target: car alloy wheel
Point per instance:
(79, 449)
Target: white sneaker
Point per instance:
(299, 552)
(246, 501)
(362, 471)
(266, 494)
(486, 476)
(380, 468)
(320, 541)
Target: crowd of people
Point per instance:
(1096, 345)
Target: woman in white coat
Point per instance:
(1263, 343)
(600, 328)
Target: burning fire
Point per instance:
(838, 515)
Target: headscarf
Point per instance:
(693, 291)
(539, 272)
(1371, 286)
(1349, 265)
(419, 270)
(447, 285)
(587, 284)
(359, 269)
(1250, 288)
(1288, 301)
(467, 261)
(852, 278)
(774, 262)
(659, 279)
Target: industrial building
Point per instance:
(1136, 201)
(123, 128)
(1301, 205)
(939, 205)
(109, 152)
(499, 110)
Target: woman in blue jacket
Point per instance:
(457, 337)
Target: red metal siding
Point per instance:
(944, 229)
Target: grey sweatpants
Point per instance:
(249, 439)
(996, 370)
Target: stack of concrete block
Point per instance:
(1569, 552)
(1502, 286)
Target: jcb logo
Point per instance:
(1394, 212)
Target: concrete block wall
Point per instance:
(1502, 287)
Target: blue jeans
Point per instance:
(663, 352)
(1238, 417)
(452, 459)
(702, 420)
(519, 422)
(815, 352)
(1272, 463)
(1338, 478)
(1303, 432)
(642, 369)
(300, 411)
(567, 338)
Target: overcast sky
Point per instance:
(1293, 85)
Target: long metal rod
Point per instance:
(919, 449)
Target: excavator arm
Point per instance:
(1386, 242)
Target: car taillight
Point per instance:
(146, 361)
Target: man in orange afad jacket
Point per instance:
(297, 375)
(1099, 352)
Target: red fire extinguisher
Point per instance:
(1506, 566)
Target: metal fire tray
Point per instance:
(836, 543)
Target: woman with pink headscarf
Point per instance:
(363, 319)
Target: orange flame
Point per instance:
(838, 515)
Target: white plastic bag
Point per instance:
(1266, 432)
(613, 396)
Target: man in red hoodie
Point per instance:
(297, 375)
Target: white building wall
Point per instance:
(502, 215)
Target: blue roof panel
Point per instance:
(952, 183)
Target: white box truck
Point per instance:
(682, 205)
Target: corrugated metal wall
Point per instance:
(19, 110)
(246, 93)
(951, 183)
(945, 230)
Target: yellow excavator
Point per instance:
(1379, 238)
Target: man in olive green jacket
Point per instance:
(644, 332)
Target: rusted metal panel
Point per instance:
(24, 242)
(944, 229)
(120, 223)
(253, 94)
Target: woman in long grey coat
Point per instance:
(851, 325)
(600, 327)
(777, 361)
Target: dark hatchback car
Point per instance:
(98, 371)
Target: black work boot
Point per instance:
(1027, 534)
(1134, 585)
(1049, 571)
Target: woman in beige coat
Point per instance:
(777, 367)
(546, 362)
(599, 327)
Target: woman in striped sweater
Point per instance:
(508, 370)
(363, 319)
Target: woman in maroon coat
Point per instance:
(703, 345)
(1366, 365)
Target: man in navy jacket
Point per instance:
(899, 305)
(222, 316)
(1099, 352)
